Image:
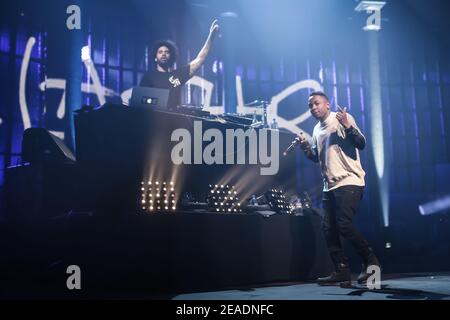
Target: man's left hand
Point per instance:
(214, 28)
(341, 116)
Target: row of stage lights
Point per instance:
(158, 195)
(223, 198)
(278, 201)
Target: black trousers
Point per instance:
(340, 207)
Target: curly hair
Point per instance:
(170, 45)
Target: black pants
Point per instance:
(340, 206)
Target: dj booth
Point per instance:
(186, 251)
(106, 231)
(119, 148)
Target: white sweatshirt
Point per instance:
(338, 158)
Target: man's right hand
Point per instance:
(304, 144)
(310, 153)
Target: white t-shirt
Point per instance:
(338, 158)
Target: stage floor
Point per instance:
(422, 286)
(418, 286)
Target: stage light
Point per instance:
(277, 201)
(388, 245)
(436, 206)
(373, 8)
(163, 198)
(85, 53)
(220, 201)
(378, 139)
(229, 14)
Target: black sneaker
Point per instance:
(363, 276)
(341, 277)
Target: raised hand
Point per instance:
(341, 116)
(214, 29)
(201, 56)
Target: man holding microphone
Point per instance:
(336, 142)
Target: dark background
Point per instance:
(277, 43)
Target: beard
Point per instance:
(165, 63)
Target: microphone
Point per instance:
(292, 146)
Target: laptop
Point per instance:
(146, 97)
